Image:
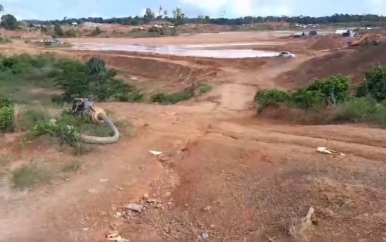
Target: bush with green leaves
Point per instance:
(8, 21)
(70, 33)
(172, 98)
(18, 64)
(374, 84)
(319, 94)
(93, 80)
(58, 30)
(96, 31)
(6, 115)
(265, 98)
(334, 89)
(5, 40)
(65, 128)
(364, 109)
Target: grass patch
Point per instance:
(363, 110)
(204, 87)
(5, 160)
(22, 73)
(332, 100)
(31, 175)
(5, 40)
(66, 127)
(173, 98)
(24, 110)
(26, 119)
(72, 166)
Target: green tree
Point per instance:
(374, 84)
(1, 8)
(93, 80)
(96, 31)
(70, 33)
(178, 17)
(9, 21)
(58, 30)
(149, 15)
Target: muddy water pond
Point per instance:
(185, 50)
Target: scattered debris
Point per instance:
(207, 208)
(116, 237)
(204, 236)
(300, 227)
(270, 239)
(156, 153)
(104, 180)
(325, 150)
(167, 194)
(151, 200)
(135, 207)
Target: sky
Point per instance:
(58, 9)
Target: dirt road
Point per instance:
(224, 173)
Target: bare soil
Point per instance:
(224, 173)
(350, 62)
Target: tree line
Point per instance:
(178, 18)
(149, 16)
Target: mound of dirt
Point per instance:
(345, 62)
(326, 43)
(156, 68)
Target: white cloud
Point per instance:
(242, 7)
(377, 6)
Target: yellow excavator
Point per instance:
(366, 38)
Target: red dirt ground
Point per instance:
(224, 171)
(348, 62)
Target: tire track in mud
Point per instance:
(343, 143)
(356, 149)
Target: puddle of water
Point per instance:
(187, 50)
(231, 44)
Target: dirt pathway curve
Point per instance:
(227, 174)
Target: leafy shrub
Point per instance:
(374, 84)
(335, 88)
(365, 109)
(320, 93)
(172, 98)
(96, 31)
(204, 87)
(22, 63)
(27, 119)
(93, 80)
(266, 97)
(5, 40)
(70, 33)
(58, 30)
(59, 129)
(65, 128)
(8, 21)
(6, 115)
(308, 99)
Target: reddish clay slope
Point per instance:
(348, 62)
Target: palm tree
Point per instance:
(159, 10)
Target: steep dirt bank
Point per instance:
(347, 62)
